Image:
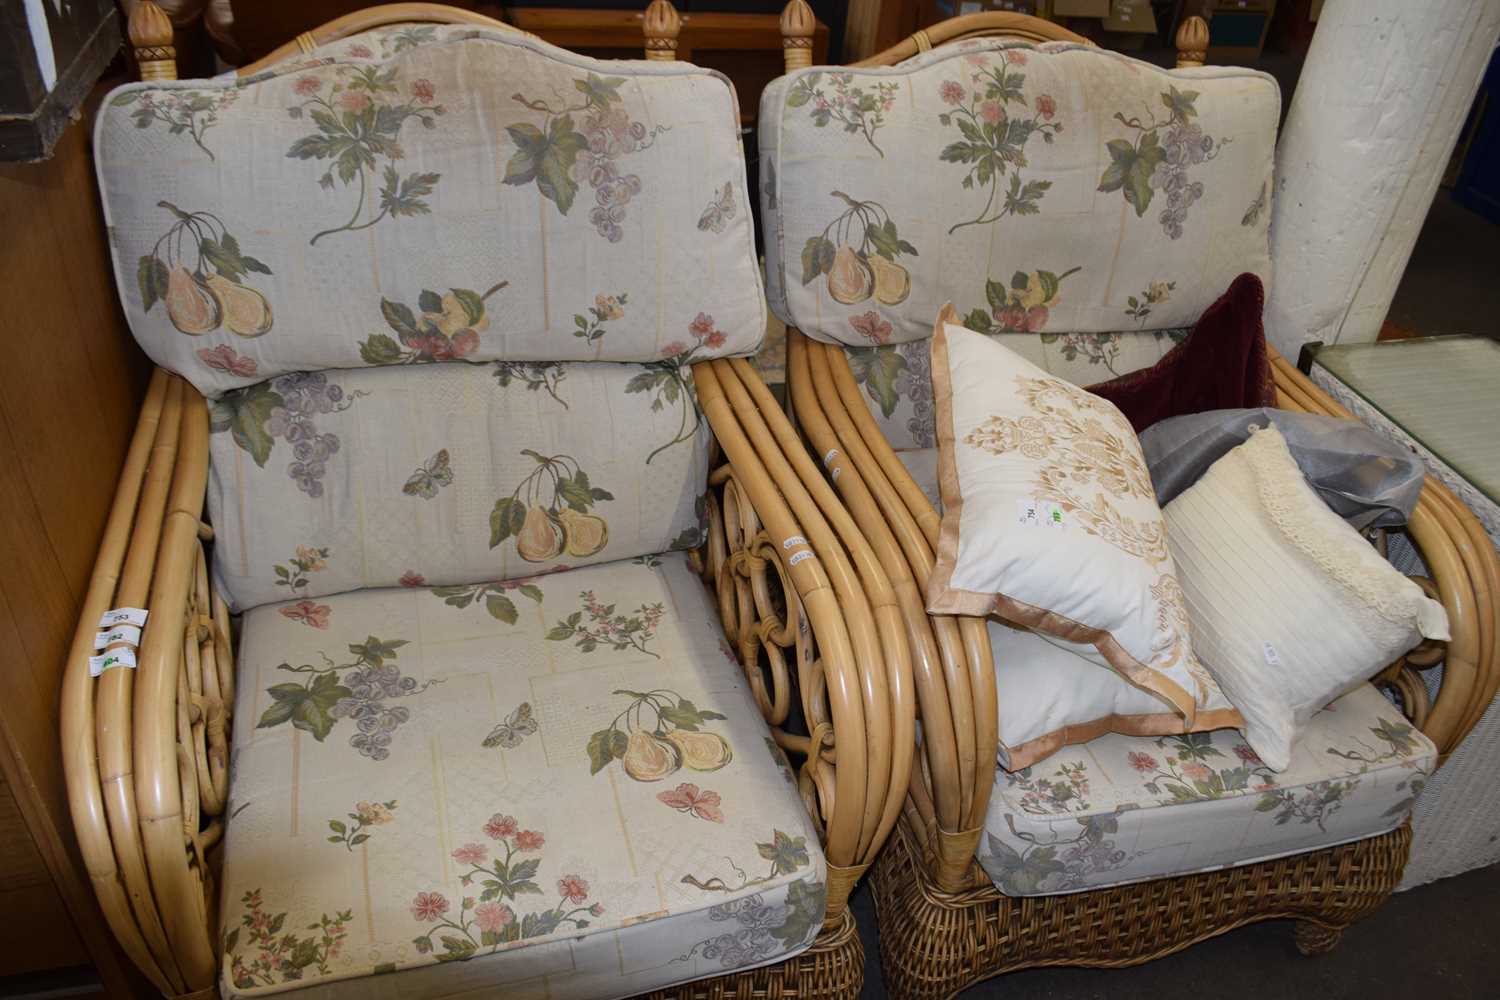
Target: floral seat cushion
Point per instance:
(1126, 809)
(582, 802)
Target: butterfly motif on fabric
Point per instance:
(719, 211)
(434, 474)
(516, 727)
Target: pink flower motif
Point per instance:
(306, 86)
(470, 854)
(225, 359)
(1197, 771)
(1245, 753)
(429, 906)
(1011, 318)
(412, 578)
(673, 349)
(701, 326)
(597, 910)
(1015, 57)
(351, 100)
(493, 917)
(1046, 106)
(870, 325)
(529, 840)
(572, 888)
(976, 59)
(422, 90)
(1142, 762)
(715, 339)
(500, 827)
(686, 798)
(309, 613)
(951, 92)
(360, 52)
(992, 112)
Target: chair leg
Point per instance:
(1316, 939)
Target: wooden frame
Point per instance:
(943, 925)
(146, 750)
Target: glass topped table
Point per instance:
(1440, 395)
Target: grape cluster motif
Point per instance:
(1156, 160)
(369, 687)
(304, 397)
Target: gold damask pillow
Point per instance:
(1050, 521)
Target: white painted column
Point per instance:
(1374, 119)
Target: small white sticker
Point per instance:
(108, 661)
(828, 458)
(123, 616)
(804, 554)
(834, 475)
(793, 542)
(124, 633)
(1028, 512)
(1269, 651)
(1052, 514)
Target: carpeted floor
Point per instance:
(1437, 942)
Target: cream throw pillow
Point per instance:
(1049, 518)
(1290, 608)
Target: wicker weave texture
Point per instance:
(934, 943)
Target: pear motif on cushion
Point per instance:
(192, 308)
(850, 279)
(585, 534)
(701, 751)
(246, 311)
(540, 538)
(650, 758)
(892, 281)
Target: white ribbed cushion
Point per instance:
(1289, 606)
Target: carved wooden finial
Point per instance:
(797, 26)
(1192, 41)
(662, 26)
(150, 33)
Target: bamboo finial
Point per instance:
(797, 26)
(1192, 42)
(150, 33)
(662, 26)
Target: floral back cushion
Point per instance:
(469, 477)
(1053, 189)
(430, 194)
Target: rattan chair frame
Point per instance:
(146, 750)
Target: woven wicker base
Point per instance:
(832, 969)
(933, 944)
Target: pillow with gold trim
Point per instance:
(1050, 520)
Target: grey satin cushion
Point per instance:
(1366, 479)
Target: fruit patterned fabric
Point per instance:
(429, 194)
(470, 477)
(581, 802)
(1125, 809)
(1065, 192)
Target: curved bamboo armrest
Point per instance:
(774, 512)
(952, 665)
(145, 749)
(1465, 577)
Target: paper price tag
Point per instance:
(1028, 512)
(109, 661)
(1052, 514)
(121, 633)
(793, 542)
(804, 554)
(123, 616)
(1269, 652)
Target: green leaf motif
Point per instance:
(786, 853)
(380, 349)
(817, 258)
(877, 368)
(151, 275)
(506, 519)
(546, 159)
(805, 903)
(600, 747)
(245, 413)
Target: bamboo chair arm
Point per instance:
(775, 525)
(1465, 577)
(145, 749)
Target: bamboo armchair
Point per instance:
(822, 641)
(943, 925)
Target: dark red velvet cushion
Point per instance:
(1222, 365)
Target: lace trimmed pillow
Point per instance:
(1050, 521)
(1290, 608)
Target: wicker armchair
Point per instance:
(943, 924)
(807, 607)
